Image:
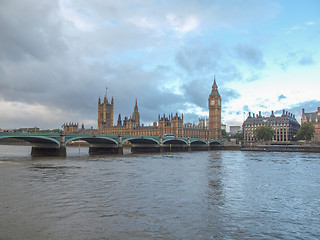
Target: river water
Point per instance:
(198, 195)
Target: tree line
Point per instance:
(266, 133)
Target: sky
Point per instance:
(58, 56)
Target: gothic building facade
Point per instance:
(171, 125)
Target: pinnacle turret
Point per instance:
(136, 105)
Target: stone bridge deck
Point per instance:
(54, 144)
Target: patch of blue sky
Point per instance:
(113, 21)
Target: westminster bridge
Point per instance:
(54, 144)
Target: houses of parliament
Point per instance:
(171, 125)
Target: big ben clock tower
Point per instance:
(214, 113)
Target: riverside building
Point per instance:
(285, 126)
(313, 117)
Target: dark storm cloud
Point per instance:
(128, 82)
(208, 61)
(250, 55)
(281, 97)
(228, 94)
(221, 61)
(197, 91)
(191, 118)
(45, 60)
(29, 32)
(297, 58)
(307, 60)
(246, 108)
(198, 60)
(308, 106)
(62, 54)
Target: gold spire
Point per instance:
(214, 86)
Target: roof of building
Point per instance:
(214, 91)
(312, 117)
(262, 120)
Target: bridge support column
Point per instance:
(145, 149)
(161, 149)
(104, 150)
(189, 145)
(50, 152)
(120, 148)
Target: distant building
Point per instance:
(71, 127)
(35, 129)
(284, 126)
(235, 129)
(313, 117)
(166, 125)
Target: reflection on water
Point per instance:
(199, 195)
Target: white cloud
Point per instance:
(143, 22)
(310, 23)
(182, 25)
(80, 21)
(293, 29)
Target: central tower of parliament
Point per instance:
(166, 125)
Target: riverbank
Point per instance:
(22, 143)
(281, 148)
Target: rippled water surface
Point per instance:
(199, 195)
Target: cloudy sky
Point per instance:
(58, 56)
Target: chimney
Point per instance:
(318, 109)
(303, 110)
(259, 113)
(253, 115)
(249, 114)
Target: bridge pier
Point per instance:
(104, 150)
(51, 152)
(215, 147)
(145, 148)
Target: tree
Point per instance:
(306, 131)
(264, 133)
(239, 136)
(223, 133)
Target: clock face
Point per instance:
(211, 102)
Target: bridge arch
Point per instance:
(198, 141)
(175, 141)
(214, 142)
(36, 140)
(140, 140)
(94, 140)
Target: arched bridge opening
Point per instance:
(37, 141)
(174, 145)
(199, 145)
(99, 145)
(40, 145)
(215, 145)
(143, 145)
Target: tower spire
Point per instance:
(136, 105)
(214, 86)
